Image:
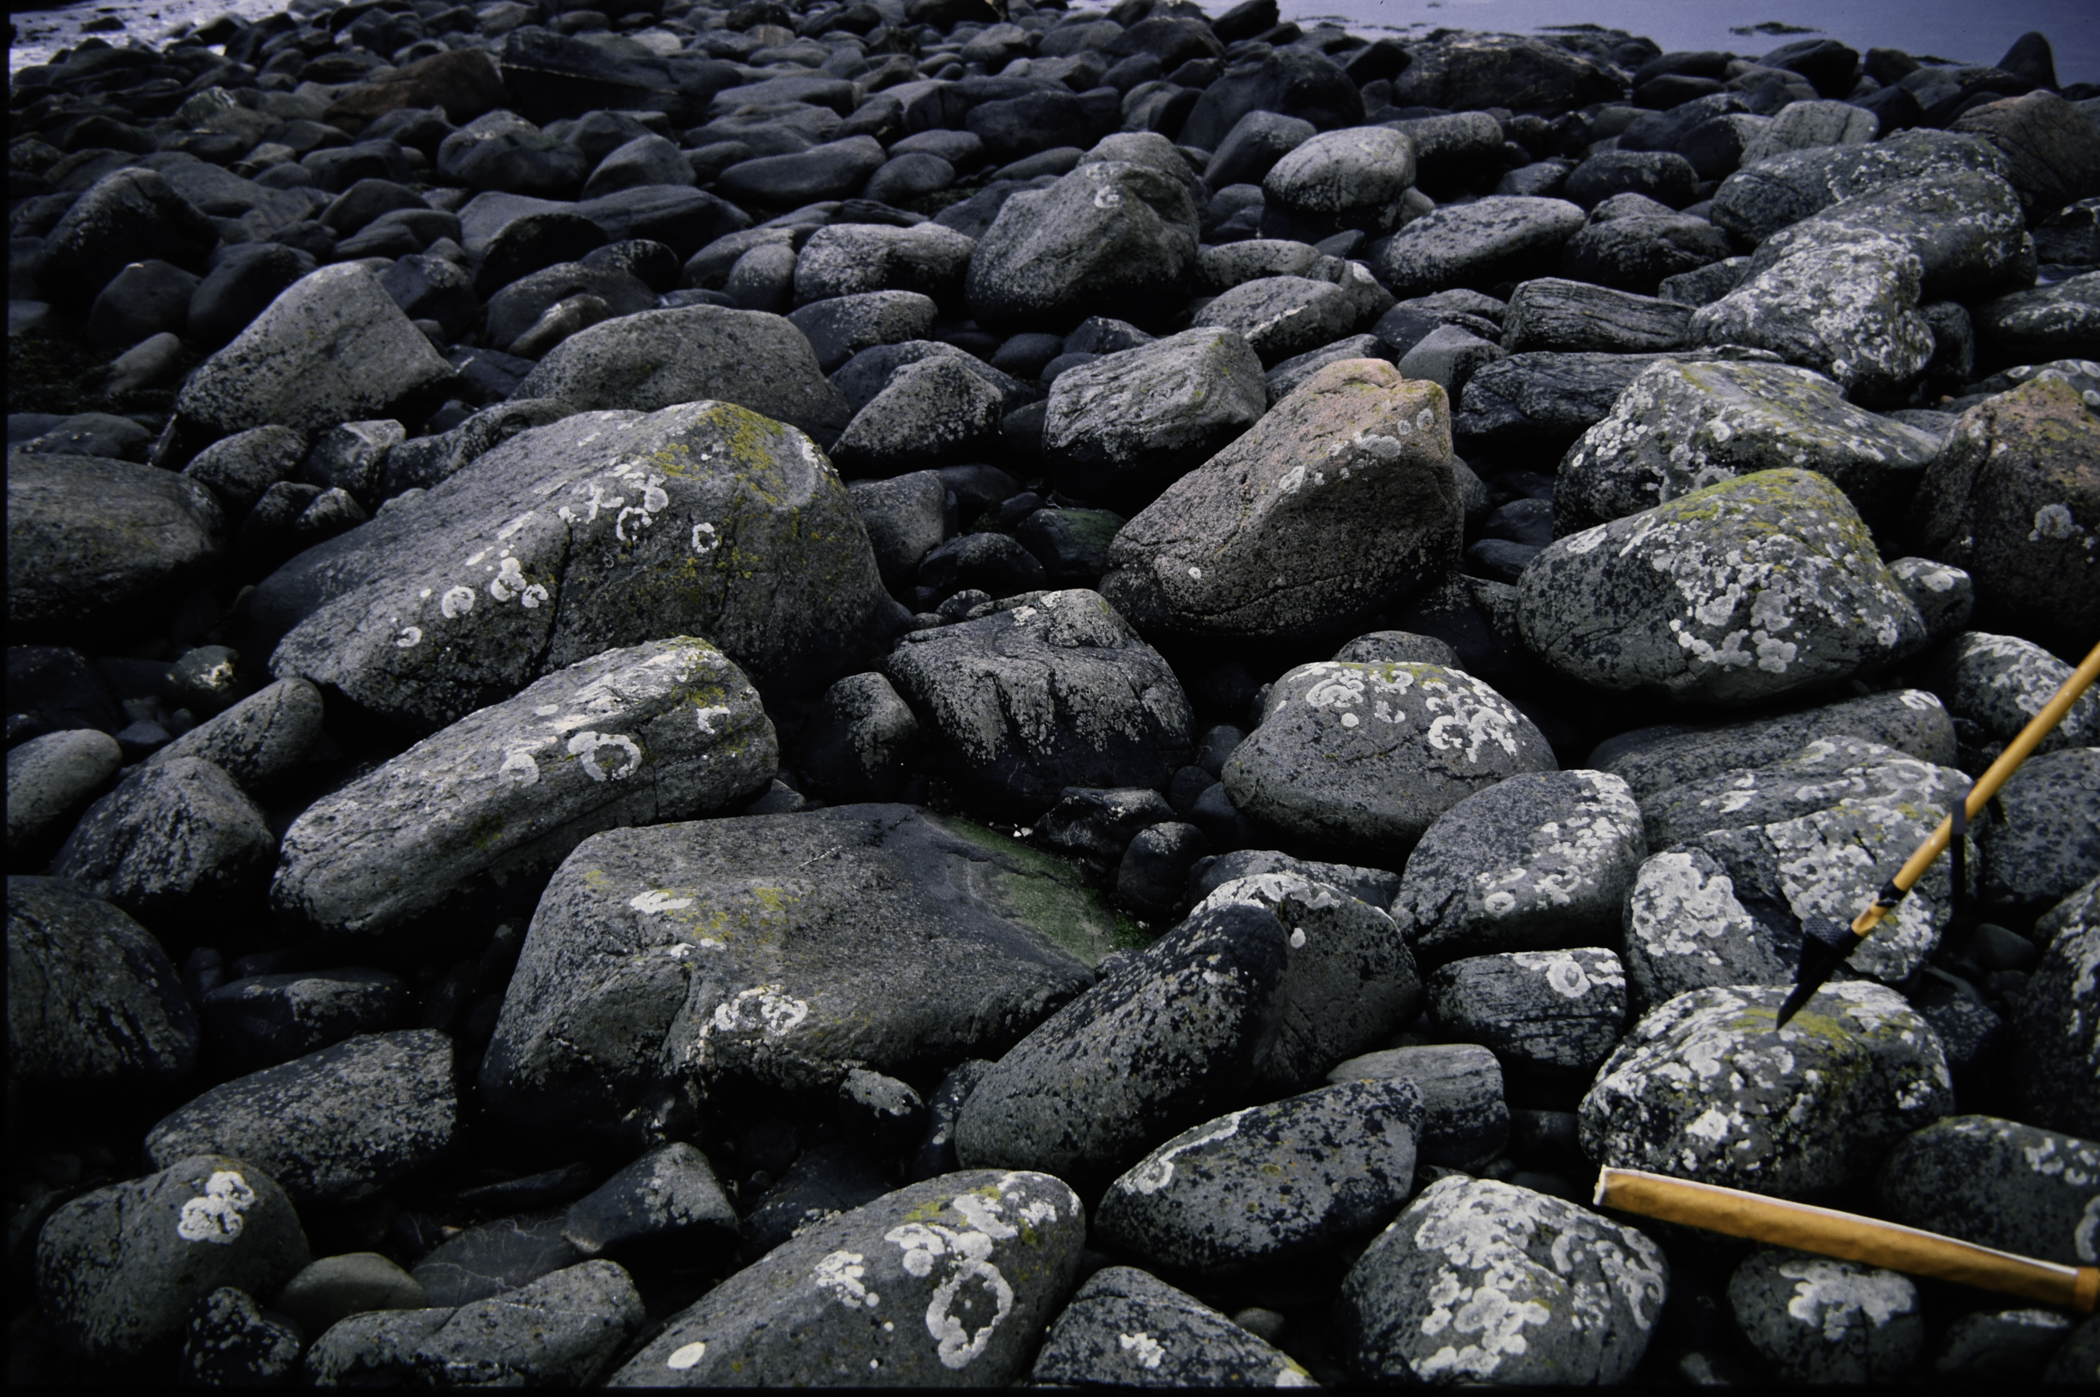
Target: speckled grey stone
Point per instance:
(1373, 885)
(495, 1258)
(1820, 1101)
(2057, 1028)
(1362, 758)
(1270, 1182)
(1465, 1117)
(334, 1126)
(1538, 861)
(2078, 912)
(1735, 593)
(933, 412)
(1999, 1184)
(230, 1342)
(1757, 201)
(1685, 929)
(667, 730)
(1282, 317)
(172, 845)
(860, 740)
(1398, 647)
(1825, 772)
(335, 1287)
(259, 740)
(1945, 596)
(1125, 1328)
(2048, 844)
(1999, 683)
(669, 1195)
(946, 1283)
(1479, 1280)
(50, 780)
(1482, 244)
(261, 1020)
(118, 1269)
(1549, 1012)
(1819, 1320)
(1166, 1038)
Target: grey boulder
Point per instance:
(1994, 685)
(1110, 238)
(2057, 1029)
(1126, 1328)
(1548, 1013)
(1504, 237)
(1999, 1184)
(1757, 201)
(260, 740)
(1465, 1116)
(50, 780)
(173, 844)
(1820, 1320)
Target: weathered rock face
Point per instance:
(1759, 200)
(1705, 1088)
(1354, 467)
(1127, 1328)
(1999, 1184)
(1110, 238)
(1467, 72)
(1484, 1280)
(778, 950)
(670, 730)
(1052, 690)
(1737, 592)
(1364, 757)
(597, 531)
(1504, 237)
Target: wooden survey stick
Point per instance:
(1825, 944)
(1847, 1236)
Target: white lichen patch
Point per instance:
(842, 1273)
(1836, 1297)
(1144, 1350)
(968, 1279)
(217, 1215)
(686, 1356)
(1156, 1170)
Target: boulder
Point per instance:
(1108, 238)
(1465, 1118)
(846, 259)
(1472, 72)
(1554, 313)
(176, 845)
(260, 740)
(1819, 1320)
(1759, 200)
(1994, 685)
(127, 216)
(50, 780)
(1124, 1328)
(1353, 178)
(1999, 1184)
(1282, 317)
(1654, 759)
(1552, 1014)
(2054, 1027)
(1287, 80)
(1501, 238)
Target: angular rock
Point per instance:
(933, 412)
(1125, 1328)
(1542, 401)
(229, 1341)
(1552, 313)
(1818, 1320)
(668, 1197)
(1999, 1184)
(1640, 252)
(1705, 1089)
(258, 741)
(905, 518)
(847, 259)
(495, 1258)
(175, 844)
(1282, 317)
(1354, 465)
(261, 1020)
(1759, 200)
(1481, 245)
(860, 742)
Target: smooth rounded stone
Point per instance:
(334, 1126)
(522, 563)
(522, 304)
(1270, 1183)
(1759, 200)
(146, 298)
(1471, 72)
(332, 348)
(1998, 683)
(92, 1000)
(1999, 1184)
(933, 412)
(1548, 1012)
(861, 740)
(1448, 356)
(1705, 1088)
(834, 170)
(1355, 444)
(913, 175)
(1553, 313)
(98, 547)
(1731, 594)
(1965, 227)
(1452, 151)
(842, 326)
(1484, 1280)
(1353, 178)
(2051, 145)
(1824, 773)
(971, 1263)
(1152, 876)
(2002, 1346)
(503, 151)
(1349, 977)
(645, 160)
(1662, 175)
(1125, 1328)
(1287, 80)
(2048, 843)
(1282, 317)
(333, 1288)
(669, 1198)
(1165, 1038)
(421, 462)
(468, 810)
(1253, 146)
(50, 781)
(1493, 240)
(1465, 1118)
(596, 1025)
(2048, 323)
(1363, 758)
(1109, 238)
(905, 517)
(530, 241)
(1538, 861)
(2014, 501)
(247, 278)
(124, 217)
(264, 1020)
(119, 1269)
(496, 1257)
(2054, 1028)
(1808, 125)
(229, 1341)
(257, 742)
(663, 358)
(176, 842)
(822, 1182)
(1819, 1320)
(92, 434)
(1071, 544)
(1680, 427)
(563, 1329)
(1124, 427)
(1649, 255)
(1052, 690)
(1099, 822)
(856, 258)
(1397, 647)
(1372, 885)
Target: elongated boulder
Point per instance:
(600, 530)
(946, 1283)
(1707, 1088)
(1825, 772)
(1759, 200)
(1504, 237)
(778, 951)
(1964, 225)
(1111, 238)
(479, 814)
(1363, 757)
(1731, 594)
(1651, 760)
(1339, 502)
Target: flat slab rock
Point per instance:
(779, 950)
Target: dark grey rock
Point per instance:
(258, 741)
(933, 412)
(1465, 1117)
(1543, 401)
(1288, 80)
(421, 462)
(1641, 252)
(1999, 1184)
(503, 151)
(1373, 885)
(173, 844)
(1053, 690)
(1553, 313)
(936, 1150)
(1554, 1013)
(494, 1258)
(1469, 72)
(1664, 176)
(667, 1198)
(335, 1126)
(1964, 226)
(688, 930)
(1282, 317)
(1815, 1319)
(1758, 201)
(2079, 1356)
(1071, 544)
(241, 287)
(879, 1113)
(1153, 874)
(124, 217)
(335, 1287)
(822, 1183)
(1996, 684)
(264, 1020)
(1484, 1280)
(1706, 1089)
(230, 1342)
(1101, 822)
(1498, 239)
(92, 1000)
(1397, 647)
(2000, 1346)
(1353, 178)
(905, 518)
(645, 160)
(1124, 1328)
(2048, 843)
(50, 781)
(861, 741)
(146, 298)
(842, 326)
(519, 306)
(118, 1269)
(848, 259)
(2047, 323)
(1252, 147)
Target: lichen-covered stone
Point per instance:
(1503, 237)
(1734, 593)
(946, 1283)
(1685, 929)
(1822, 774)
(1819, 1320)
(1552, 1013)
(1282, 317)
(1337, 503)
(1998, 683)
(1759, 200)
(1965, 226)
(1705, 1088)
(1999, 1184)
(173, 845)
(2057, 1027)
(668, 730)
(1364, 757)
(1125, 1328)
(1465, 1116)
(1480, 1280)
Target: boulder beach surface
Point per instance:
(971, 692)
